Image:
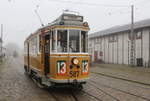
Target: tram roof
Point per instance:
(77, 21)
(123, 28)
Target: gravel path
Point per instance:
(16, 86)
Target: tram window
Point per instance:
(53, 41)
(83, 41)
(74, 41)
(40, 43)
(62, 41)
(35, 45)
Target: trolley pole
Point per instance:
(39, 18)
(132, 55)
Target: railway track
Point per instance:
(55, 93)
(62, 94)
(101, 90)
(71, 95)
(147, 99)
(129, 80)
(92, 96)
(55, 97)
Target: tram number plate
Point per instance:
(74, 73)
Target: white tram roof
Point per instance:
(123, 28)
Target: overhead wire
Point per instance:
(129, 11)
(126, 9)
(89, 4)
(75, 4)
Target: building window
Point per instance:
(100, 40)
(96, 40)
(129, 36)
(139, 35)
(100, 53)
(90, 44)
(113, 38)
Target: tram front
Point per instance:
(69, 45)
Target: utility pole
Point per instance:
(132, 55)
(1, 41)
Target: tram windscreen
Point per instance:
(62, 41)
(84, 41)
(74, 41)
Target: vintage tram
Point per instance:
(57, 54)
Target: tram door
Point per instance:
(46, 54)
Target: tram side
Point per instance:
(32, 55)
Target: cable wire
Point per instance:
(89, 4)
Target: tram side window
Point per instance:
(53, 41)
(25, 48)
(40, 44)
(74, 41)
(62, 41)
(35, 51)
(84, 41)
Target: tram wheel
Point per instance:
(80, 87)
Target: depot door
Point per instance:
(47, 54)
(95, 56)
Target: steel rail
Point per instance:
(115, 98)
(148, 99)
(129, 80)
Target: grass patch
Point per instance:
(122, 67)
(0, 62)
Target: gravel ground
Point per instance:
(139, 74)
(123, 90)
(16, 86)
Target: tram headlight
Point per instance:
(85, 24)
(75, 61)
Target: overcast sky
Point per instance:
(19, 18)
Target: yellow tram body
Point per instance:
(58, 53)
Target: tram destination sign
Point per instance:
(72, 18)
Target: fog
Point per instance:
(19, 19)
